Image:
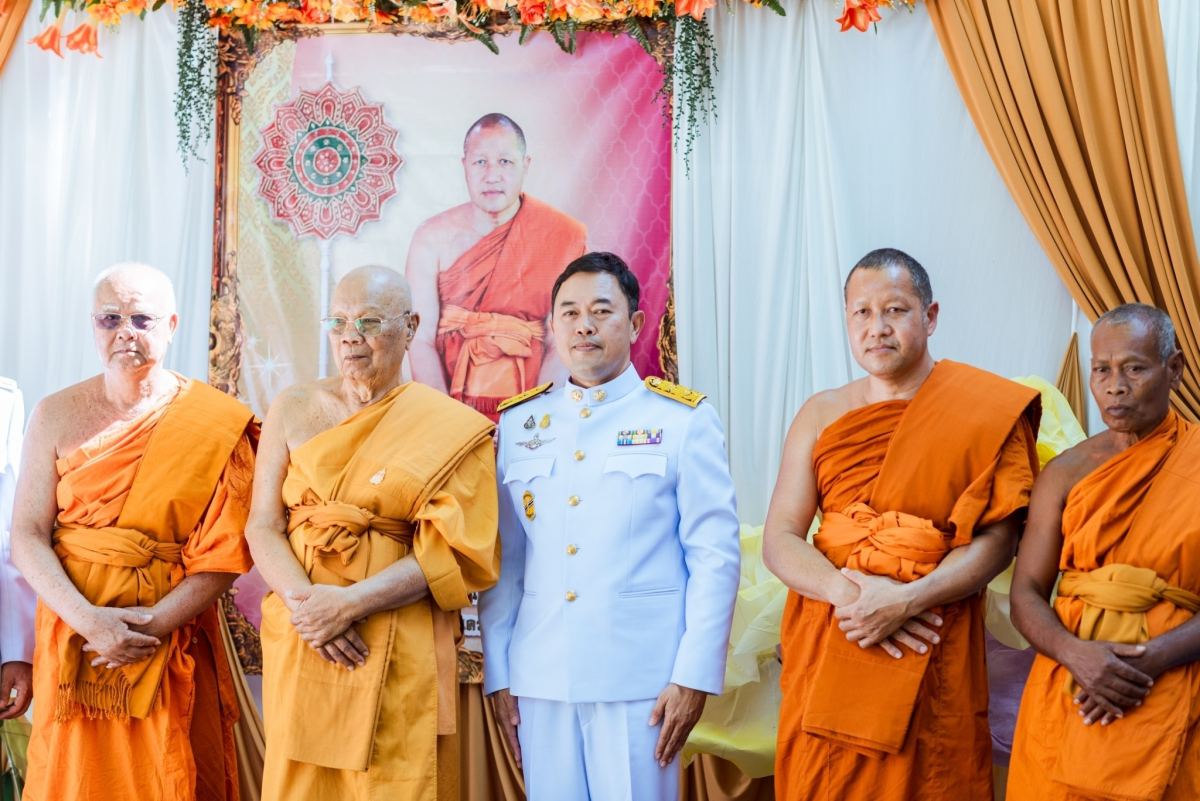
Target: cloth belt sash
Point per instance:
(336, 531)
(874, 720)
(489, 337)
(1116, 598)
(113, 567)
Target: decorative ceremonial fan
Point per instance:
(328, 165)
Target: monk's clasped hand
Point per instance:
(882, 615)
(323, 616)
(1111, 685)
(111, 634)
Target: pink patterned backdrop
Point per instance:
(600, 153)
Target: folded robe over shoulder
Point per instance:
(413, 473)
(901, 483)
(1131, 530)
(140, 508)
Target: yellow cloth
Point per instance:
(413, 473)
(1058, 431)
(1116, 599)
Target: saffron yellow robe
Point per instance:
(413, 473)
(141, 508)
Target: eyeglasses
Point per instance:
(111, 321)
(367, 326)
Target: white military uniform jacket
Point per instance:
(17, 599)
(620, 549)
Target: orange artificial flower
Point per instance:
(51, 38)
(83, 39)
(315, 12)
(346, 10)
(421, 14)
(859, 14)
(645, 8)
(105, 13)
(500, 5)
(131, 6)
(694, 7)
(585, 10)
(532, 13)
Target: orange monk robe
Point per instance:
(494, 303)
(171, 736)
(413, 473)
(901, 483)
(1135, 520)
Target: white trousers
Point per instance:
(593, 752)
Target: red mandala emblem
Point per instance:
(328, 162)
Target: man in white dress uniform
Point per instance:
(17, 599)
(610, 623)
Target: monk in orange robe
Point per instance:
(482, 274)
(1112, 706)
(374, 520)
(921, 473)
(129, 520)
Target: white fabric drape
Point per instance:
(90, 177)
(827, 146)
(1181, 36)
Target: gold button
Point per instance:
(579, 456)
(573, 500)
(577, 395)
(599, 395)
(572, 550)
(585, 412)
(571, 596)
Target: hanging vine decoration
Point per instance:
(689, 71)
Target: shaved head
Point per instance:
(1144, 320)
(494, 121)
(149, 282)
(374, 285)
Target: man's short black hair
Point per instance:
(603, 263)
(882, 259)
(496, 120)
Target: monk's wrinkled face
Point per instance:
(593, 329)
(495, 168)
(1131, 384)
(142, 298)
(889, 331)
(374, 360)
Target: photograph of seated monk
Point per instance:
(481, 275)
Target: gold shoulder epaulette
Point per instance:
(517, 400)
(675, 392)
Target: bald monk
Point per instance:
(481, 275)
(374, 519)
(129, 524)
(921, 472)
(1112, 705)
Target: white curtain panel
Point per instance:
(828, 145)
(90, 176)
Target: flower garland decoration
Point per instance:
(862, 14)
(691, 65)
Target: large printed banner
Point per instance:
(572, 155)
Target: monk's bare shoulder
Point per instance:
(303, 410)
(1073, 465)
(68, 418)
(442, 227)
(827, 406)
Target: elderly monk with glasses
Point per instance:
(374, 520)
(129, 523)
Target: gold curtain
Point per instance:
(248, 735)
(12, 17)
(1072, 100)
(1070, 381)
